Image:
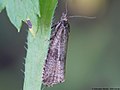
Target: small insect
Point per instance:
(29, 24)
(54, 68)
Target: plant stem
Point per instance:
(38, 46)
(36, 54)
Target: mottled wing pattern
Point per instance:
(54, 68)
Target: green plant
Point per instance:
(40, 13)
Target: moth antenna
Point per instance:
(82, 17)
(66, 12)
(66, 7)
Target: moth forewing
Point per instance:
(54, 68)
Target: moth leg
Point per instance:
(54, 25)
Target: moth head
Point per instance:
(64, 17)
(64, 21)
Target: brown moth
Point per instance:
(54, 68)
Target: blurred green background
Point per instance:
(93, 58)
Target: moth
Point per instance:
(54, 68)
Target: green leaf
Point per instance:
(2, 4)
(47, 6)
(21, 10)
